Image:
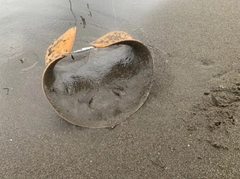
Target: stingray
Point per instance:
(99, 86)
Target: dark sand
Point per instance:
(189, 125)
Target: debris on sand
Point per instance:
(7, 89)
(89, 12)
(83, 21)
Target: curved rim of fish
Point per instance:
(61, 47)
(99, 43)
(112, 38)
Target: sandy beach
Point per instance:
(188, 127)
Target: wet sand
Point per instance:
(189, 125)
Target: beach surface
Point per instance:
(187, 128)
